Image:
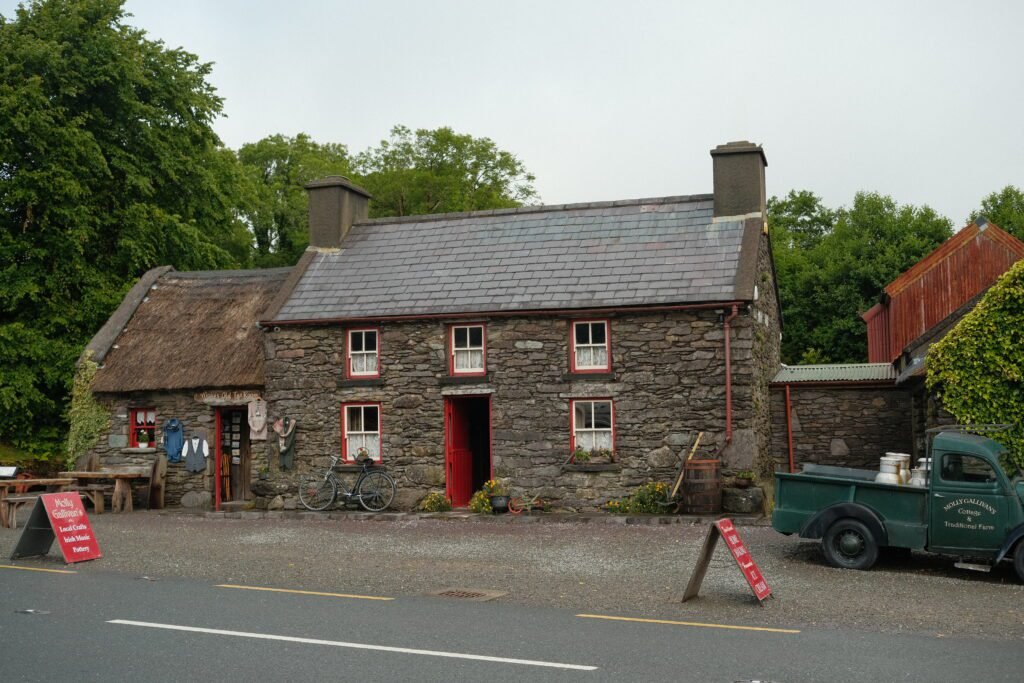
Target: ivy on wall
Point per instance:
(978, 368)
(87, 419)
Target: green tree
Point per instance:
(829, 275)
(108, 166)
(437, 171)
(978, 368)
(1006, 209)
(277, 210)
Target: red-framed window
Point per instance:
(360, 428)
(593, 426)
(467, 349)
(590, 346)
(362, 354)
(141, 422)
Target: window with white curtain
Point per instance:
(592, 425)
(467, 347)
(363, 353)
(361, 430)
(590, 345)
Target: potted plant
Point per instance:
(143, 435)
(602, 455)
(264, 472)
(497, 492)
(581, 455)
(743, 479)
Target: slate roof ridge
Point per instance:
(542, 208)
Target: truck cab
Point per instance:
(971, 507)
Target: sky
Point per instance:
(616, 100)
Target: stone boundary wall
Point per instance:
(846, 426)
(667, 384)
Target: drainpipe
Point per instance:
(789, 429)
(728, 374)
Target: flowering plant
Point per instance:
(361, 453)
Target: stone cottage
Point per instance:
(575, 350)
(185, 347)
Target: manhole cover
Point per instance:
(477, 594)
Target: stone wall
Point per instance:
(113, 448)
(766, 358)
(667, 383)
(841, 425)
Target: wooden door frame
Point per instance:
(448, 405)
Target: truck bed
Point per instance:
(800, 497)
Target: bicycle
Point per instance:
(374, 489)
(519, 505)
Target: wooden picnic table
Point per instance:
(121, 500)
(51, 484)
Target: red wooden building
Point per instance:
(936, 286)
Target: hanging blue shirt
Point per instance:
(174, 439)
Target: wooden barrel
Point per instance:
(702, 488)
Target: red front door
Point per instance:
(458, 456)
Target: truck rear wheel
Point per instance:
(1018, 560)
(849, 544)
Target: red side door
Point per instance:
(458, 457)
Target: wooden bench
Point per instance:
(95, 493)
(12, 503)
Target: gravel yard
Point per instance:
(627, 570)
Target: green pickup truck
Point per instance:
(970, 508)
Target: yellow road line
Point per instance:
(37, 569)
(288, 590)
(689, 623)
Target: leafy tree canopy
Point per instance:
(279, 167)
(1005, 208)
(421, 172)
(437, 171)
(978, 368)
(833, 264)
(108, 166)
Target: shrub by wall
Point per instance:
(978, 368)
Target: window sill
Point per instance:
(361, 382)
(138, 450)
(588, 377)
(594, 467)
(465, 379)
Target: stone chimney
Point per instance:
(739, 178)
(335, 203)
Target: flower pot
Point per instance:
(499, 504)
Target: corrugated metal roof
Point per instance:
(839, 372)
(651, 251)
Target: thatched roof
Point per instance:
(191, 330)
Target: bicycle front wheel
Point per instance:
(317, 491)
(376, 491)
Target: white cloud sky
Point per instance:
(612, 100)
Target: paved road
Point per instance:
(117, 626)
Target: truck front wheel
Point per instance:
(850, 545)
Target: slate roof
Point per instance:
(838, 372)
(640, 252)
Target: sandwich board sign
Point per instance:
(60, 516)
(724, 528)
